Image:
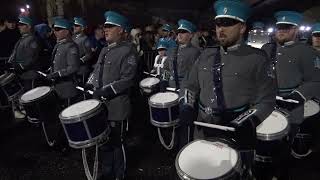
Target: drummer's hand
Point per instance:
(106, 93)
(53, 76)
(295, 96)
(88, 86)
(245, 131)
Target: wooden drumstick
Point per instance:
(214, 126)
(287, 100)
(82, 89)
(149, 74)
(172, 89)
(41, 73)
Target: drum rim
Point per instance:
(90, 142)
(165, 124)
(163, 105)
(36, 99)
(7, 79)
(82, 116)
(278, 135)
(143, 87)
(230, 173)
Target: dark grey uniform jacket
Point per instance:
(66, 61)
(25, 53)
(85, 51)
(186, 56)
(297, 68)
(118, 62)
(244, 77)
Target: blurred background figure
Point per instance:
(162, 47)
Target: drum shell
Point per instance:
(44, 108)
(88, 129)
(233, 174)
(166, 115)
(271, 151)
(11, 86)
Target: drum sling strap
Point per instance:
(175, 67)
(273, 57)
(217, 81)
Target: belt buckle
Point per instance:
(208, 110)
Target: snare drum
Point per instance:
(270, 134)
(203, 159)
(85, 123)
(164, 109)
(10, 86)
(150, 85)
(311, 108)
(40, 104)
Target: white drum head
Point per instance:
(276, 122)
(148, 82)
(207, 160)
(311, 108)
(35, 93)
(80, 108)
(164, 97)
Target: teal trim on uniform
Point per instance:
(115, 18)
(62, 23)
(234, 9)
(316, 28)
(186, 25)
(288, 17)
(237, 109)
(25, 20)
(79, 21)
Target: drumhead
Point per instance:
(35, 93)
(311, 108)
(275, 123)
(203, 159)
(164, 98)
(80, 108)
(148, 82)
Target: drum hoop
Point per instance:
(7, 79)
(230, 173)
(82, 116)
(89, 142)
(163, 105)
(165, 124)
(37, 99)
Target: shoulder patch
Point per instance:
(34, 45)
(132, 60)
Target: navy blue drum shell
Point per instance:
(162, 114)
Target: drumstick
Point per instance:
(172, 89)
(41, 73)
(287, 100)
(82, 89)
(214, 126)
(150, 74)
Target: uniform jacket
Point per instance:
(116, 67)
